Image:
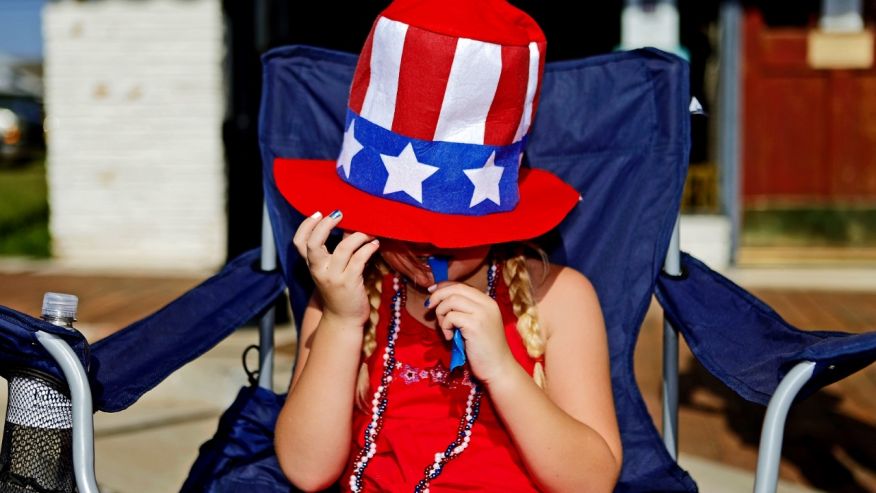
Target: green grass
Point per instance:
(24, 211)
(835, 226)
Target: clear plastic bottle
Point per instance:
(36, 454)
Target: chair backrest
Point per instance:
(615, 126)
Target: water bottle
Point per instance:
(37, 449)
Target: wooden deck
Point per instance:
(830, 439)
(830, 442)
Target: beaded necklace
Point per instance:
(380, 401)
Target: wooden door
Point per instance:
(809, 135)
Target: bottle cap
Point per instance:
(60, 305)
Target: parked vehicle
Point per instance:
(22, 136)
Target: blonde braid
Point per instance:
(520, 290)
(373, 275)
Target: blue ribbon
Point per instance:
(457, 351)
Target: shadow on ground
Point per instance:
(822, 442)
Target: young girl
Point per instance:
(439, 110)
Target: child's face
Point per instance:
(411, 260)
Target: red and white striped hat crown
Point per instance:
(439, 110)
(451, 71)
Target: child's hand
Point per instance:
(479, 319)
(337, 275)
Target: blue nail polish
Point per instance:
(336, 214)
(426, 303)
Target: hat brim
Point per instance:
(314, 185)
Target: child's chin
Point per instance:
(461, 269)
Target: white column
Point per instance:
(841, 16)
(134, 105)
(650, 23)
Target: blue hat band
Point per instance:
(444, 177)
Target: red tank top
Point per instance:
(425, 404)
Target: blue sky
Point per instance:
(20, 32)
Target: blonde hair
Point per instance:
(521, 292)
(513, 258)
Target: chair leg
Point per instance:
(266, 350)
(671, 266)
(266, 323)
(670, 389)
(770, 452)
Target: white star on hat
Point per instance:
(406, 174)
(486, 181)
(349, 148)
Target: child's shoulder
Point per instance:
(559, 289)
(551, 280)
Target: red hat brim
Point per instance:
(314, 185)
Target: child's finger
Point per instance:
(303, 232)
(441, 284)
(449, 288)
(456, 302)
(447, 333)
(363, 249)
(317, 253)
(454, 305)
(344, 250)
(455, 320)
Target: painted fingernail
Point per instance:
(336, 214)
(426, 303)
(316, 215)
(432, 288)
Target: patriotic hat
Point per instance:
(438, 115)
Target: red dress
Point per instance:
(425, 404)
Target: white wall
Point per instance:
(706, 237)
(134, 100)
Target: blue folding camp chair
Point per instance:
(617, 128)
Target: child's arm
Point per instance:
(312, 437)
(567, 434)
(314, 428)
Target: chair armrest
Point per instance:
(770, 451)
(132, 361)
(83, 419)
(746, 344)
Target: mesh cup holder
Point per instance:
(36, 454)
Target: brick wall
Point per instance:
(134, 100)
